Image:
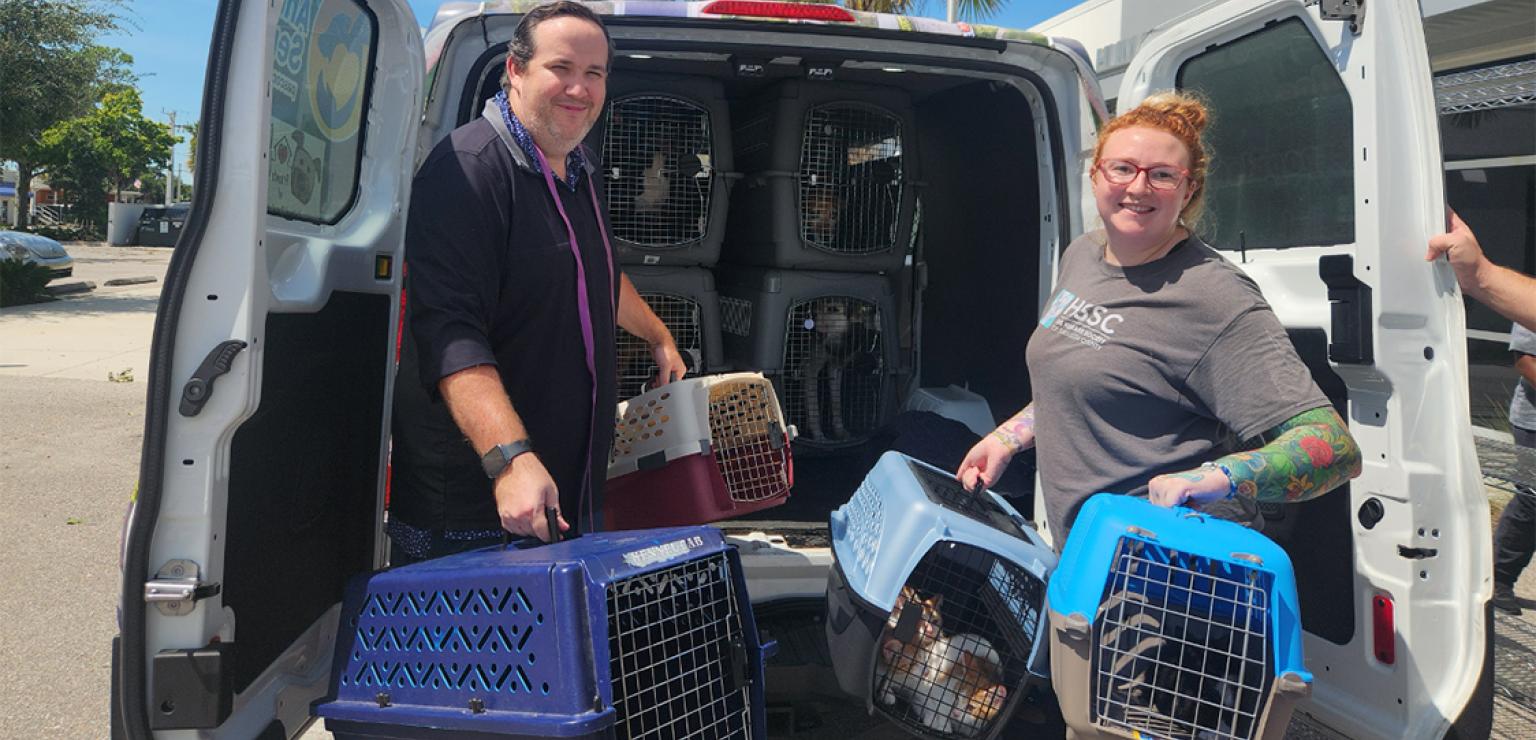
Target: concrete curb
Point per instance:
(78, 286)
(140, 280)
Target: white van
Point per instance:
(262, 486)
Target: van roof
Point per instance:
(451, 14)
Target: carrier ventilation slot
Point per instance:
(850, 179)
(636, 365)
(675, 643)
(833, 368)
(657, 162)
(1181, 646)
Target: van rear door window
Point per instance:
(321, 67)
(1280, 142)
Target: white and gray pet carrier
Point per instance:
(666, 154)
(828, 341)
(829, 176)
(684, 299)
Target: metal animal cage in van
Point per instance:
(684, 299)
(936, 601)
(1173, 624)
(611, 635)
(828, 341)
(829, 178)
(666, 156)
(698, 450)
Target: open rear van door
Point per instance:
(261, 481)
(1325, 186)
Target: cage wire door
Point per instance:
(850, 179)
(833, 368)
(748, 440)
(657, 162)
(636, 366)
(956, 649)
(677, 654)
(1182, 646)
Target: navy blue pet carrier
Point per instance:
(644, 634)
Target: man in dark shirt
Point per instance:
(505, 395)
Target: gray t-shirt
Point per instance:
(1151, 369)
(1522, 408)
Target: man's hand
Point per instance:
(522, 492)
(1460, 247)
(1190, 487)
(985, 462)
(669, 364)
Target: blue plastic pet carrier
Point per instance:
(936, 601)
(1174, 624)
(644, 634)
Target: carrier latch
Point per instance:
(178, 587)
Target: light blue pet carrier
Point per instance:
(1174, 624)
(936, 601)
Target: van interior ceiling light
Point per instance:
(755, 8)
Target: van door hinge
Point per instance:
(178, 587)
(1342, 10)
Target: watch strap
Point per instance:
(496, 460)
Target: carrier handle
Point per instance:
(551, 520)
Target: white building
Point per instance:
(1483, 54)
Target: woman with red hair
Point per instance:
(1158, 367)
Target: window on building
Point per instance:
(1280, 140)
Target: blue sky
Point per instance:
(169, 43)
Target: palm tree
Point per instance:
(971, 10)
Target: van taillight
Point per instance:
(1383, 630)
(759, 9)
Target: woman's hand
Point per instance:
(986, 462)
(1190, 487)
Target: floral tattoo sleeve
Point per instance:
(1019, 431)
(1307, 456)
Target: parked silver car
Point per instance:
(38, 250)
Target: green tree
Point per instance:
(105, 150)
(50, 71)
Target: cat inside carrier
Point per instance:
(685, 300)
(633, 635)
(829, 178)
(666, 155)
(1195, 632)
(935, 602)
(825, 338)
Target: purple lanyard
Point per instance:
(584, 306)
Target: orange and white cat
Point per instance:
(953, 683)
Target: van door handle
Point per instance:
(199, 388)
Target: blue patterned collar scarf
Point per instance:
(575, 162)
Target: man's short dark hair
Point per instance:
(520, 48)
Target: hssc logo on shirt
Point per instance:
(1066, 303)
(1082, 321)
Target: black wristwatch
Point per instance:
(495, 460)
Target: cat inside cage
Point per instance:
(850, 179)
(833, 368)
(657, 154)
(957, 643)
